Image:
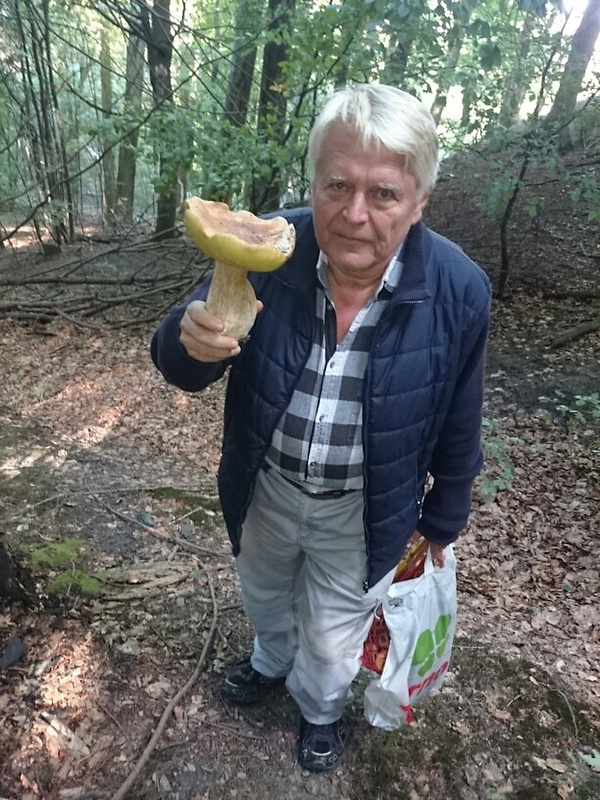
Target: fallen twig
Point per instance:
(116, 490)
(113, 719)
(133, 776)
(159, 532)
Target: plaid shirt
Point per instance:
(318, 441)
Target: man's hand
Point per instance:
(438, 557)
(202, 335)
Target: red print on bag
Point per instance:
(417, 688)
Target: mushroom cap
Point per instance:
(238, 238)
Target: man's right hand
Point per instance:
(202, 335)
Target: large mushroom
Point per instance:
(239, 242)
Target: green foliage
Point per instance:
(588, 191)
(171, 134)
(577, 412)
(498, 469)
(228, 159)
(500, 188)
(406, 43)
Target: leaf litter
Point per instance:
(95, 447)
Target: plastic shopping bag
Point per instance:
(377, 643)
(420, 615)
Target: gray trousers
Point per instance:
(302, 567)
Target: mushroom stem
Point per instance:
(231, 298)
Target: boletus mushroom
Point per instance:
(239, 242)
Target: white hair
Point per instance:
(387, 116)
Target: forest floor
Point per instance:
(108, 499)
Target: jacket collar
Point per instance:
(300, 270)
(415, 255)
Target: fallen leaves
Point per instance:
(100, 419)
(550, 763)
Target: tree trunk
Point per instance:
(45, 131)
(402, 37)
(266, 190)
(109, 184)
(516, 87)
(468, 99)
(580, 54)
(156, 24)
(395, 65)
(63, 186)
(127, 150)
(239, 85)
(446, 80)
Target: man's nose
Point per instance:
(356, 210)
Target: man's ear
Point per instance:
(420, 207)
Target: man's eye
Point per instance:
(338, 186)
(385, 194)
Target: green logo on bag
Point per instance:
(431, 644)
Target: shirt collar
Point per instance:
(389, 280)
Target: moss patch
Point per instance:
(76, 581)
(63, 561)
(55, 555)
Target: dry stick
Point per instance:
(158, 532)
(88, 305)
(568, 704)
(116, 490)
(110, 716)
(189, 514)
(574, 333)
(133, 776)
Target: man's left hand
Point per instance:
(438, 557)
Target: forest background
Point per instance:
(120, 605)
(118, 110)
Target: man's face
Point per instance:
(364, 202)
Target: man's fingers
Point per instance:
(438, 557)
(199, 314)
(201, 333)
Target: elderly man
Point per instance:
(363, 374)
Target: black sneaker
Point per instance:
(244, 685)
(320, 747)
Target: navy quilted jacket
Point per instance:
(421, 397)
